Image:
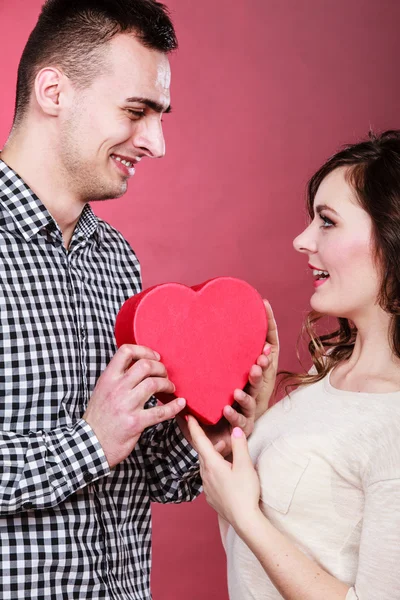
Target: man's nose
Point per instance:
(149, 137)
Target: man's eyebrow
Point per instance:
(321, 207)
(156, 106)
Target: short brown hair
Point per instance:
(71, 33)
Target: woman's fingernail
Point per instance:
(157, 356)
(267, 350)
(229, 410)
(182, 402)
(237, 432)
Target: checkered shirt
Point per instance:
(69, 526)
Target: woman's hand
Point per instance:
(262, 380)
(232, 489)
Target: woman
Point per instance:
(318, 518)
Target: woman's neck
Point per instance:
(373, 367)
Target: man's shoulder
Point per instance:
(108, 229)
(110, 234)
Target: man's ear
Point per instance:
(50, 85)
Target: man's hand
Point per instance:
(252, 402)
(116, 410)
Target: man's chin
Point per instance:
(110, 194)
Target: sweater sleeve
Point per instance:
(379, 552)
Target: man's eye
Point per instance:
(326, 222)
(137, 114)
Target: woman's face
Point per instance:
(339, 247)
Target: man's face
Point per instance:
(118, 118)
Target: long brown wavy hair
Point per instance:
(373, 171)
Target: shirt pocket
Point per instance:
(280, 468)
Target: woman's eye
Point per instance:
(326, 221)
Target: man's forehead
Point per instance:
(164, 73)
(139, 71)
(125, 49)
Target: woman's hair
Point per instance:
(71, 34)
(373, 171)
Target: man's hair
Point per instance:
(71, 34)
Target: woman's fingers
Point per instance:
(220, 446)
(240, 451)
(200, 441)
(272, 335)
(234, 418)
(247, 403)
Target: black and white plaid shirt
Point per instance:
(69, 527)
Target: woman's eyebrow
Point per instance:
(321, 207)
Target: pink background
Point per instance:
(263, 92)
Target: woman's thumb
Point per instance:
(240, 452)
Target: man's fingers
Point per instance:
(129, 353)
(141, 370)
(163, 412)
(150, 387)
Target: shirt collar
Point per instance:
(29, 213)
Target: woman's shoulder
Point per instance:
(384, 447)
(287, 416)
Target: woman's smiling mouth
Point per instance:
(319, 275)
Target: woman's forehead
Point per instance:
(336, 192)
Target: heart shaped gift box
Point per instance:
(208, 337)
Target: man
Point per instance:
(84, 448)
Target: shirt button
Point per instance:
(27, 505)
(87, 476)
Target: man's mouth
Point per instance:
(126, 166)
(125, 162)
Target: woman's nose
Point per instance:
(305, 242)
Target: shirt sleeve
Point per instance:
(379, 554)
(171, 464)
(41, 469)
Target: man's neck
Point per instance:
(35, 166)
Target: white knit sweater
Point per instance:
(329, 466)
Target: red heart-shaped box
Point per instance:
(208, 337)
